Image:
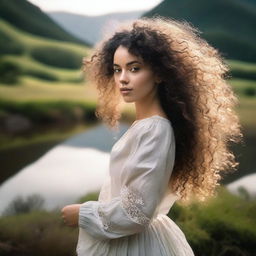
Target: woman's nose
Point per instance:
(123, 77)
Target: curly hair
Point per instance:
(194, 94)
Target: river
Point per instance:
(66, 172)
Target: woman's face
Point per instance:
(131, 72)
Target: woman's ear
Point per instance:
(158, 80)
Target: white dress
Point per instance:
(130, 216)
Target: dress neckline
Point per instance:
(154, 116)
(142, 120)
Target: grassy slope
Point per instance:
(31, 89)
(29, 42)
(241, 65)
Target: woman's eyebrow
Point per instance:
(129, 63)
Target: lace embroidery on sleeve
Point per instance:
(130, 202)
(105, 222)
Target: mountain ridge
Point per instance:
(219, 23)
(90, 28)
(30, 18)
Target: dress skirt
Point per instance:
(161, 238)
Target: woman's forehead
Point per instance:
(122, 54)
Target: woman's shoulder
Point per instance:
(153, 125)
(151, 132)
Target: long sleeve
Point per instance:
(144, 179)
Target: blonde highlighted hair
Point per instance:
(194, 94)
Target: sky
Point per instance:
(95, 7)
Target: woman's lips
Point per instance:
(125, 91)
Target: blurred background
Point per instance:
(54, 151)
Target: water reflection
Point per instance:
(67, 171)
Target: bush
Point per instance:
(48, 112)
(57, 57)
(224, 225)
(245, 74)
(38, 233)
(9, 45)
(9, 72)
(41, 75)
(20, 205)
(250, 91)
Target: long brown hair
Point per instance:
(194, 94)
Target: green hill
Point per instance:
(28, 17)
(39, 57)
(32, 55)
(23, 54)
(228, 25)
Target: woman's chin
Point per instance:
(128, 100)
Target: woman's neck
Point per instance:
(147, 109)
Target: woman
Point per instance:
(176, 147)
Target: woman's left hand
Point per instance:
(70, 214)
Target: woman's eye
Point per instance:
(134, 69)
(116, 70)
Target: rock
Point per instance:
(16, 123)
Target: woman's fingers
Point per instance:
(70, 214)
